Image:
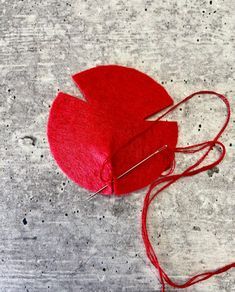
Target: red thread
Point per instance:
(170, 179)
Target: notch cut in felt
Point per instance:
(96, 140)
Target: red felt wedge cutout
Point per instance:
(96, 140)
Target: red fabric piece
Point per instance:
(96, 140)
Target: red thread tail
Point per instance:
(169, 179)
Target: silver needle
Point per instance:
(129, 170)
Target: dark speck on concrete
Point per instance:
(66, 214)
(33, 139)
(30, 238)
(25, 221)
(117, 210)
(196, 228)
(210, 172)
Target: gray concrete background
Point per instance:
(50, 238)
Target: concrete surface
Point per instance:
(51, 239)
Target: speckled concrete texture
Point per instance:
(51, 238)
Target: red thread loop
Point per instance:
(169, 179)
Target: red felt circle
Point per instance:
(96, 140)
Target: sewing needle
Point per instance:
(129, 170)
